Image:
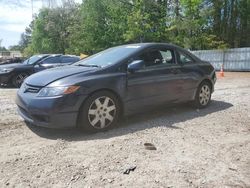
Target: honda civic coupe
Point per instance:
(95, 92)
(15, 73)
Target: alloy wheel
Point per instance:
(102, 112)
(20, 78)
(204, 95)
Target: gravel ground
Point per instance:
(194, 148)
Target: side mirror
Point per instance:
(39, 63)
(136, 65)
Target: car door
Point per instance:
(191, 74)
(50, 62)
(158, 82)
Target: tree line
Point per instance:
(94, 25)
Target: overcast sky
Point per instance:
(15, 15)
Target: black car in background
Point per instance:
(94, 92)
(55, 60)
(14, 74)
(12, 60)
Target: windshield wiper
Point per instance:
(90, 65)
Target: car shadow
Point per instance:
(160, 117)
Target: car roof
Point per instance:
(70, 55)
(56, 55)
(41, 55)
(149, 44)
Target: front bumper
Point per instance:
(53, 112)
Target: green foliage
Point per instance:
(2, 48)
(103, 24)
(146, 22)
(52, 29)
(231, 21)
(15, 48)
(95, 25)
(25, 39)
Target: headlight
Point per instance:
(6, 70)
(56, 91)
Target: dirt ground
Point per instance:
(195, 148)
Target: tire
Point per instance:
(203, 95)
(18, 79)
(100, 112)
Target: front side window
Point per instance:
(34, 59)
(156, 57)
(168, 57)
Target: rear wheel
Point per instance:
(18, 79)
(203, 95)
(100, 112)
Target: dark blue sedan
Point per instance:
(95, 92)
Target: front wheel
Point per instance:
(100, 112)
(203, 95)
(18, 79)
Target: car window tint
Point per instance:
(157, 57)
(70, 59)
(51, 60)
(34, 59)
(185, 59)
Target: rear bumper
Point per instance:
(56, 112)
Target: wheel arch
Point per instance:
(202, 81)
(99, 90)
(111, 91)
(208, 81)
(18, 72)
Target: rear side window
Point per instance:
(52, 60)
(70, 59)
(184, 58)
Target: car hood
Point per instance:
(48, 76)
(12, 65)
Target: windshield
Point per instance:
(109, 56)
(33, 59)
